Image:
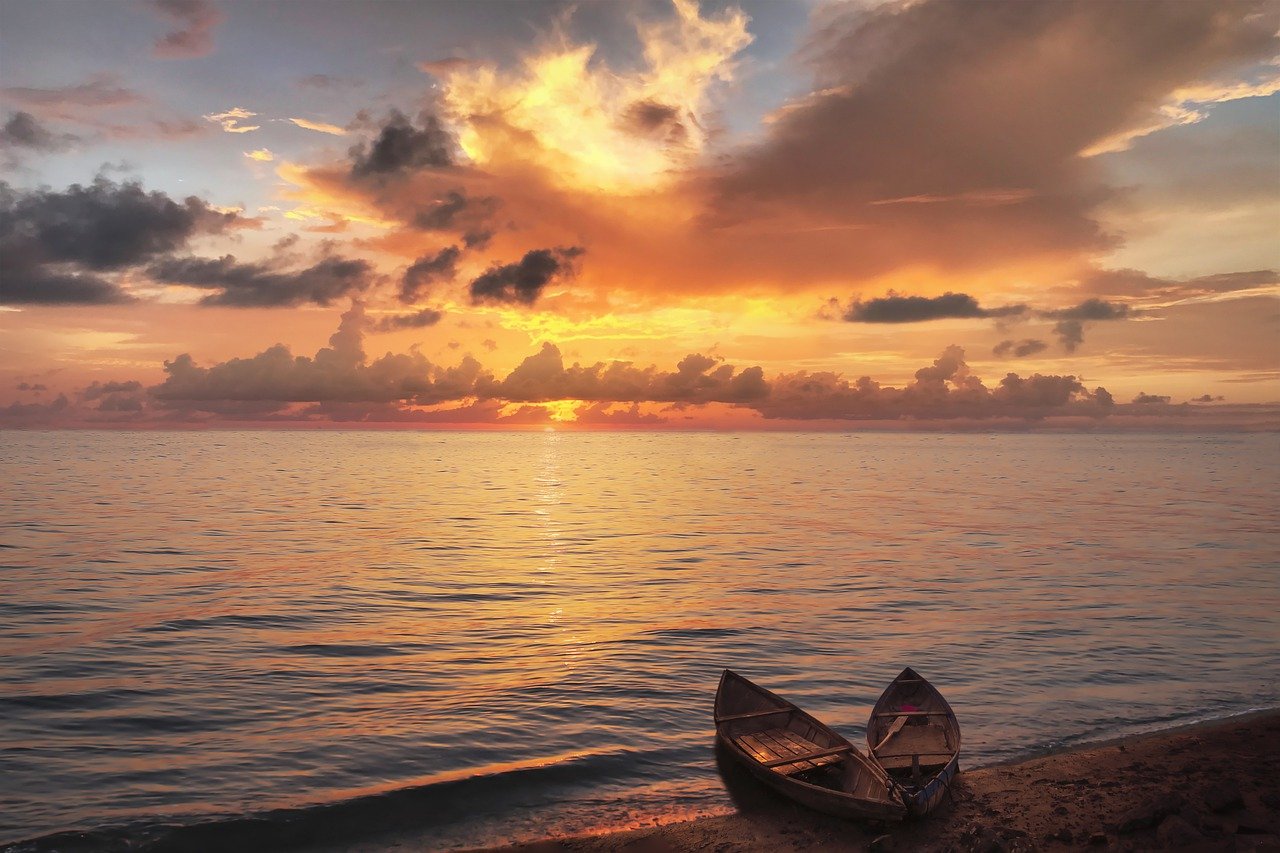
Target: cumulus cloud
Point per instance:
(978, 114)
(340, 372)
(53, 245)
(523, 281)
(260, 155)
(401, 146)
(1144, 399)
(192, 22)
(895, 308)
(697, 379)
(442, 266)
(1019, 349)
(263, 284)
(342, 378)
(945, 389)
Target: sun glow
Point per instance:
(594, 129)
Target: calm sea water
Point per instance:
(508, 635)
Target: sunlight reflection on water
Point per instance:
(217, 623)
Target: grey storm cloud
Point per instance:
(54, 245)
(261, 285)
(192, 22)
(417, 320)
(401, 146)
(36, 285)
(523, 281)
(1019, 349)
(1070, 325)
(425, 271)
(22, 130)
(102, 226)
(456, 210)
(1144, 399)
(895, 308)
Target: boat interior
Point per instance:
(913, 732)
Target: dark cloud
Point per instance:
(442, 266)
(524, 281)
(457, 211)
(1070, 325)
(417, 320)
(1208, 398)
(400, 147)
(951, 132)
(22, 130)
(53, 245)
(262, 285)
(1019, 349)
(127, 396)
(654, 119)
(914, 309)
(193, 23)
(102, 226)
(102, 389)
(33, 387)
(1144, 399)
(33, 284)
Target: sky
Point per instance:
(775, 215)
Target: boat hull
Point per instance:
(911, 722)
(780, 745)
(825, 800)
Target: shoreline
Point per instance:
(1206, 785)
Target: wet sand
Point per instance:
(1213, 786)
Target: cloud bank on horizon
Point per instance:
(817, 193)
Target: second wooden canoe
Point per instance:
(915, 739)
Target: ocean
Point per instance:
(291, 635)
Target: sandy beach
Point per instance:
(1205, 787)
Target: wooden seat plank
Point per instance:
(820, 753)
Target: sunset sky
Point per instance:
(657, 214)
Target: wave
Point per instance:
(437, 801)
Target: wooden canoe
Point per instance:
(798, 756)
(914, 737)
